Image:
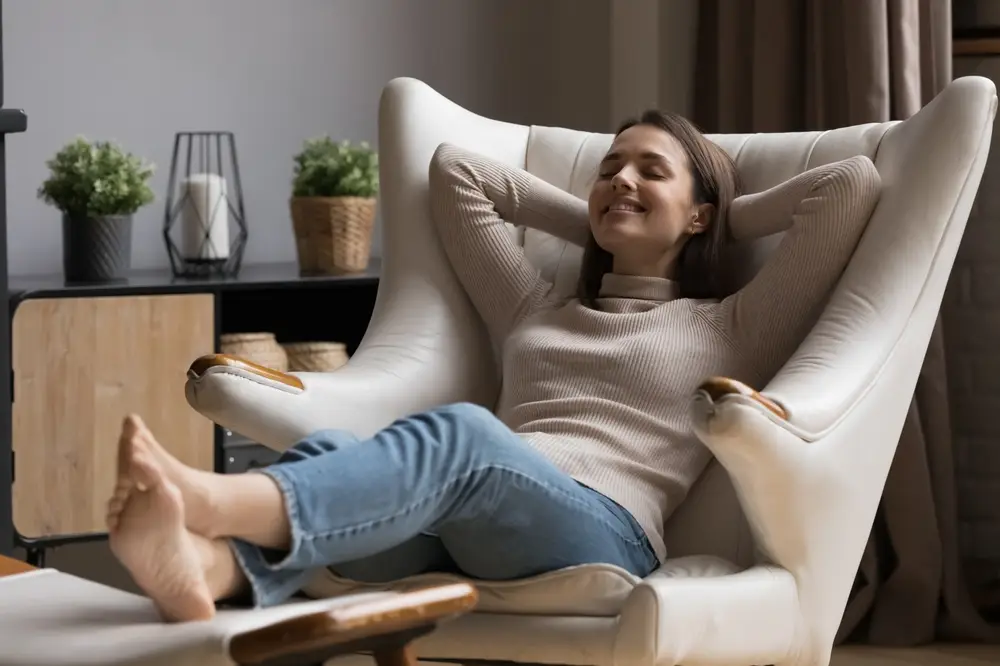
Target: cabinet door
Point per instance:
(80, 366)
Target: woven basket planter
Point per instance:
(333, 234)
(261, 348)
(315, 356)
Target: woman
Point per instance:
(590, 448)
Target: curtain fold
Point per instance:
(798, 65)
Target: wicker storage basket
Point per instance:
(315, 356)
(333, 234)
(261, 348)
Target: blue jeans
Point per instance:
(448, 490)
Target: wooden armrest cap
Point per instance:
(719, 387)
(12, 567)
(205, 363)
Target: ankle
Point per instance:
(223, 576)
(249, 507)
(208, 517)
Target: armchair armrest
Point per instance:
(810, 499)
(380, 383)
(714, 617)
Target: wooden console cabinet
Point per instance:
(85, 356)
(80, 365)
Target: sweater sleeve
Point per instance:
(472, 198)
(824, 210)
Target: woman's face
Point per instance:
(641, 206)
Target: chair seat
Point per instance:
(589, 590)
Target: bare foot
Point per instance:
(195, 485)
(151, 541)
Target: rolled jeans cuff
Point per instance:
(273, 575)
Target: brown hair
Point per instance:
(700, 269)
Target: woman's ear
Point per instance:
(701, 219)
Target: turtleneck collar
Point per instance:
(658, 290)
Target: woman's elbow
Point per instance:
(447, 159)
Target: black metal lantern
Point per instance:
(204, 223)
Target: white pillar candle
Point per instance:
(204, 217)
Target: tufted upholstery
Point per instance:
(569, 158)
(765, 548)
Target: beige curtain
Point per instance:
(793, 65)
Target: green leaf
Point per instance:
(325, 168)
(96, 179)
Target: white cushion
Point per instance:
(590, 590)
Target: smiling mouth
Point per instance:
(625, 207)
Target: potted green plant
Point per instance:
(98, 187)
(334, 190)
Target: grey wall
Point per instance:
(274, 72)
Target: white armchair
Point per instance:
(765, 549)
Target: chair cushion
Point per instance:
(588, 590)
(591, 589)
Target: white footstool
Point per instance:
(50, 618)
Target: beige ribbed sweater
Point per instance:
(605, 393)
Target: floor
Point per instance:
(937, 655)
(933, 655)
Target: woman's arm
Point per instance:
(472, 197)
(824, 210)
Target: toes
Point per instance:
(131, 425)
(141, 430)
(136, 428)
(145, 438)
(126, 450)
(118, 500)
(145, 471)
(123, 488)
(136, 465)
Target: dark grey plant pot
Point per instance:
(97, 249)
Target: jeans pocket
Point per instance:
(631, 531)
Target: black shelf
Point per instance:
(161, 281)
(263, 297)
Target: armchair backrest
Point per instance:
(876, 324)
